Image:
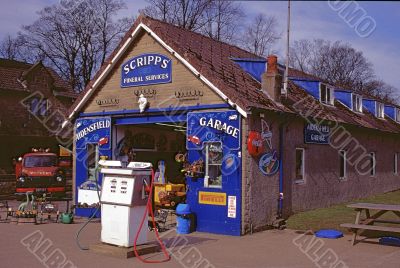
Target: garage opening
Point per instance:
(163, 145)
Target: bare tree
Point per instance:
(76, 37)
(382, 90)
(337, 63)
(224, 19)
(188, 14)
(341, 65)
(14, 48)
(260, 35)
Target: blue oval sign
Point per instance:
(146, 69)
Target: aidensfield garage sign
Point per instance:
(146, 69)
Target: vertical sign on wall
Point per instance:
(231, 206)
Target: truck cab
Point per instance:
(39, 172)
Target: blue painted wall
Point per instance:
(370, 105)
(345, 97)
(214, 218)
(390, 111)
(254, 67)
(311, 87)
(81, 154)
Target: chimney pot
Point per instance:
(272, 64)
(271, 80)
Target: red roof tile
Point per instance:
(213, 60)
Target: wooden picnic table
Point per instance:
(370, 219)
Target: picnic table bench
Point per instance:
(367, 223)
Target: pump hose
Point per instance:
(92, 216)
(149, 207)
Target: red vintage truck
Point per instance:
(41, 171)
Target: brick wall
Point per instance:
(322, 186)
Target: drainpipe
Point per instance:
(281, 175)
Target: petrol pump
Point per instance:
(123, 202)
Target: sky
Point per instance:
(376, 34)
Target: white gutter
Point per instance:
(180, 58)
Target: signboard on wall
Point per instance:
(317, 134)
(146, 69)
(93, 130)
(212, 198)
(221, 126)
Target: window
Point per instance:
(343, 167)
(398, 115)
(92, 161)
(300, 165)
(213, 155)
(357, 103)
(39, 107)
(380, 110)
(326, 94)
(372, 164)
(396, 163)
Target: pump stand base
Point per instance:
(122, 252)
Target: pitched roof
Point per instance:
(13, 72)
(213, 60)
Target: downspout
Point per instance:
(281, 175)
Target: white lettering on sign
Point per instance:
(218, 125)
(146, 60)
(231, 206)
(93, 127)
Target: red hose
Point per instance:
(149, 207)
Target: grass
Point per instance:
(332, 217)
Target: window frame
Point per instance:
(329, 93)
(207, 165)
(343, 157)
(357, 99)
(90, 153)
(373, 164)
(303, 167)
(397, 114)
(380, 110)
(396, 163)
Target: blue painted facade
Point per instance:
(94, 131)
(370, 105)
(225, 129)
(254, 67)
(345, 97)
(390, 111)
(214, 218)
(311, 87)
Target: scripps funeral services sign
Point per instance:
(318, 134)
(146, 69)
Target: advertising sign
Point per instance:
(318, 134)
(146, 69)
(93, 130)
(211, 198)
(213, 126)
(231, 206)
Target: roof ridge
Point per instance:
(199, 34)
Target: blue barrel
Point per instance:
(183, 219)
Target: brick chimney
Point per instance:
(271, 80)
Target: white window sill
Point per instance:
(300, 182)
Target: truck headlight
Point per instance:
(59, 178)
(21, 179)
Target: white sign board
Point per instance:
(231, 206)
